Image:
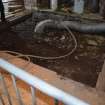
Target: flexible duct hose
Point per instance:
(28, 56)
(90, 28)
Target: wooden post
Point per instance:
(94, 6)
(35, 4)
(102, 8)
(30, 4)
(101, 80)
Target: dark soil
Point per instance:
(83, 65)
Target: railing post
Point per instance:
(1, 100)
(5, 89)
(33, 96)
(17, 90)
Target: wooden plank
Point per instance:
(101, 80)
(81, 91)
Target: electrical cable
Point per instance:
(18, 55)
(48, 58)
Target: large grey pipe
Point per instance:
(91, 28)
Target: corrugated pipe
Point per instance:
(90, 28)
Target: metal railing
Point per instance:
(34, 83)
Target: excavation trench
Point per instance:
(83, 65)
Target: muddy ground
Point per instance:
(83, 65)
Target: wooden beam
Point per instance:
(54, 4)
(101, 80)
(30, 4)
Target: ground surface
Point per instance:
(83, 65)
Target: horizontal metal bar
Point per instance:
(41, 85)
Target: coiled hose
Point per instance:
(48, 58)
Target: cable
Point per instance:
(48, 58)
(18, 55)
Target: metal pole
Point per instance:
(17, 90)
(5, 89)
(33, 96)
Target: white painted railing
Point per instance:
(35, 83)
